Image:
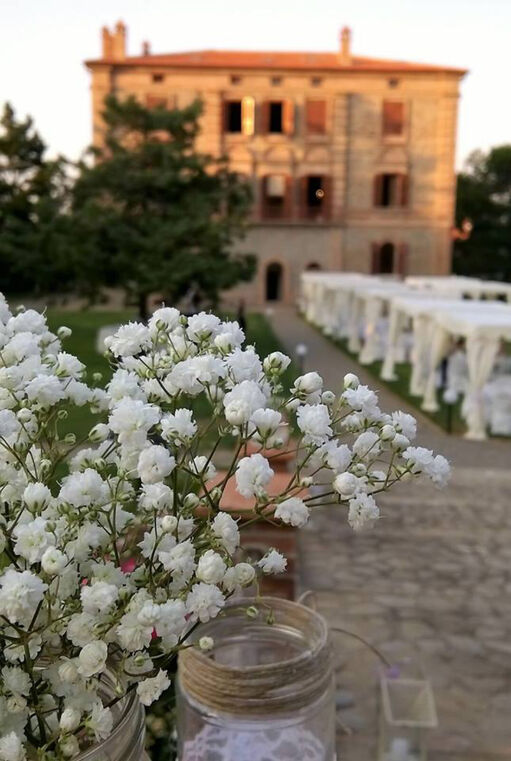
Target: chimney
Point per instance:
(119, 41)
(345, 46)
(146, 48)
(106, 43)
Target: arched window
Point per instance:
(274, 282)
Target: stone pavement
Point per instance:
(432, 582)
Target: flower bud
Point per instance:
(168, 524)
(69, 746)
(306, 481)
(97, 377)
(328, 398)
(64, 332)
(24, 415)
(191, 501)
(62, 415)
(351, 381)
(206, 643)
(68, 671)
(388, 432)
(346, 484)
(252, 611)
(16, 704)
(359, 469)
(400, 442)
(69, 720)
(99, 433)
(70, 439)
(216, 494)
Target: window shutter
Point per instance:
(393, 117)
(377, 190)
(375, 258)
(402, 259)
(326, 210)
(404, 190)
(315, 117)
(288, 200)
(265, 116)
(248, 115)
(288, 125)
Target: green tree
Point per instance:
(33, 192)
(152, 215)
(484, 197)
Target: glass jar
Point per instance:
(126, 743)
(265, 691)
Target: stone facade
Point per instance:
(351, 159)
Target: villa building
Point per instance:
(351, 159)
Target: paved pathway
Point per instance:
(432, 582)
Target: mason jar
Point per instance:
(126, 742)
(265, 690)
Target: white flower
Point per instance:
(80, 629)
(36, 496)
(203, 467)
(337, 456)
(293, 511)
(276, 362)
(154, 464)
(45, 389)
(314, 422)
(422, 460)
(210, 568)
(70, 719)
(92, 658)
(132, 415)
(100, 722)
(150, 690)
(166, 318)
(242, 401)
(130, 339)
(351, 381)
(253, 474)
(69, 746)
(225, 528)
(244, 365)
(15, 680)
(171, 622)
(204, 602)
(367, 445)
(82, 489)
(388, 432)
(347, 484)
(68, 365)
(266, 422)
(309, 383)
(239, 575)
(362, 510)
(272, 562)
(405, 424)
(178, 427)
(8, 423)
(20, 594)
(203, 326)
(180, 560)
(156, 496)
(99, 597)
(32, 540)
(53, 561)
(132, 634)
(11, 748)
(363, 400)
(68, 671)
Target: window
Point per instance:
(393, 83)
(235, 79)
(275, 196)
(316, 81)
(274, 282)
(158, 77)
(393, 118)
(155, 101)
(276, 81)
(233, 116)
(278, 117)
(382, 259)
(315, 117)
(315, 197)
(391, 190)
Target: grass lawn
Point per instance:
(82, 343)
(401, 387)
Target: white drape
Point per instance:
(396, 321)
(354, 326)
(373, 309)
(481, 356)
(439, 347)
(423, 331)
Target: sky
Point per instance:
(43, 44)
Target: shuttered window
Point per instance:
(315, 117)
(278, 117)
(393, 118)
(390, 190)
(315, 197)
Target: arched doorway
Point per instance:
(383, 259)
(274, 282)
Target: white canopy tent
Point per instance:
(483, 330)
(454, 286)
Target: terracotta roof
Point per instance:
(273, 60)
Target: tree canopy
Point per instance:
(152, 215)
(484, 197)
(33, 233)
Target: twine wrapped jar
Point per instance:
(265, 691)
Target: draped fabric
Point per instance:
(439, 347)
(373, 309)
(422, 343)
(481, 355)
(396, 323)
